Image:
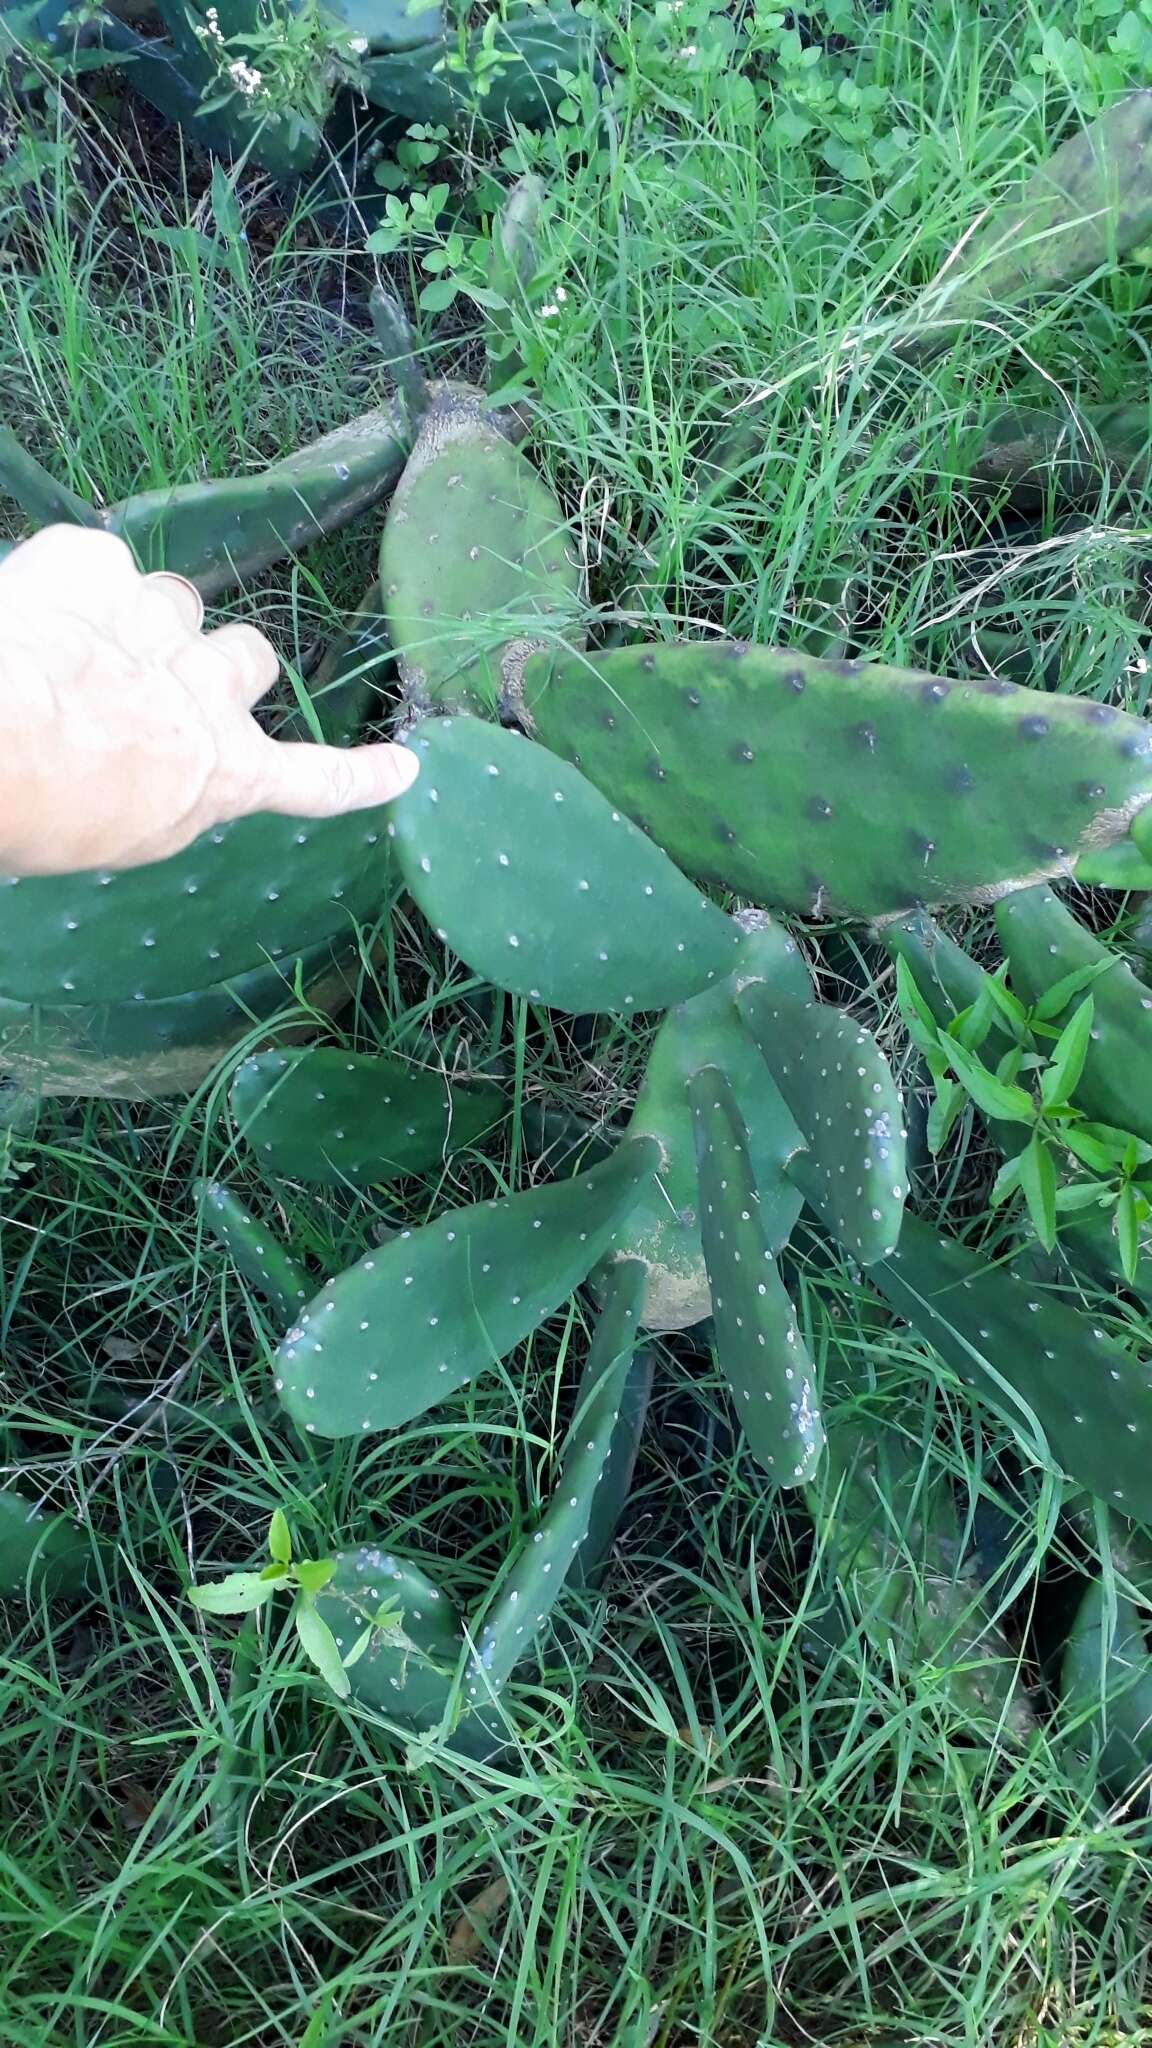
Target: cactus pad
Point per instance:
(839, 1087)
(429, 84)
(475, 566)
(543, 888)
(408, 1325)
(758, 1345)
(1017, 1345)
(40, 1548)
(327, 1116)
(415, 1645)
(842, 788)
(614, 1486)
(1106, 1688)
(247, 893)
(140, 1051)
(537, 1578)
(664, 1228)
(255, 1250)
(1044, 942)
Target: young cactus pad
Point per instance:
(839, 1087)
(758, 1345)
(540, 886)
(1106, 1688)
(533, 1586)
(255, 1250)
(327, 1116)
(1044, 942)
(842, 788)
(247, 893)
(664, 1228)
(614, 1486)
(408, 1325)
(415, 1644)
(1024, 1349)
(39, 1548)
(475, 568)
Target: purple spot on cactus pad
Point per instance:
(1097, 714)
(934, 693)
(818, 807)
(865, 735)
(794, 680)
(1034, 728)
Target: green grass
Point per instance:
(707, 1831)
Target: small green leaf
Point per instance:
(1038, 1182)
(912, 1004)
(239, 1593)
(995, 1098)
(1011, 1009)
(1128, 1232)
(315, 2034)
(280, 1538)
(1060, 994)
(313, 1573)
(225, 207)
(1006, 1182)
(949, 1102)
(1101, 1146)
(438, 294)
(1059, 1079)
(1081, 1194)
(358, 1647)
(319, 1645)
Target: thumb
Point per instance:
(306, 781)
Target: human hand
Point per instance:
(125, 732)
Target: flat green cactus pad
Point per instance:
(475, 567)
(408, 1325)
(249, 892)
(140, 1051)
(1106, 1689)
(39, 1548)
(415, 1644)
(540, 886)
(758, 1346)
(842, 788)
(432, 84)
(226, 531)
(529, 1593)
(614, 1486)
(325, 1115)
(839, 1087)
(390, 24)
(1022, 1348)
(256, 1252)
(663, 1230)
(1044, 942)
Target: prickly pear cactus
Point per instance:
(663, 1230)
(1043, 943)
(39, 1549)
(540, 886)
(408, 1325)
(613, 1488)
(414, 1645)
(535, 50)
(329, 1116)
(758, 1345)
(1106, 1690)
(258, 889)
(475, 566)
(842, 788)
(839, 1087)
(528, 1595)
(140, 1051)
(1029, 1353)
(254, 1249)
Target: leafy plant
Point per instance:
(305, 1579)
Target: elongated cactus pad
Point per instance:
(255, 1250)
(249, 892)
(1106, 1688)
(1033, 451)
(140, 1051)
(347, 691)
(1086, 205)
(436, 85)
(40, 1548)
(475, 566)
(543, 888)
(1007, 1338)
(612, 1490)
(537, 1578)
(892, 1540)
(839, 1087)
(408, 1325)
(1044, 942)
(840, 787)
(758, 1345)
(664, 1228)
(325, 1115)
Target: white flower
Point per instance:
(358, 44)
(689, 50)
(549, 312)
(561, 294)
(243, 76)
